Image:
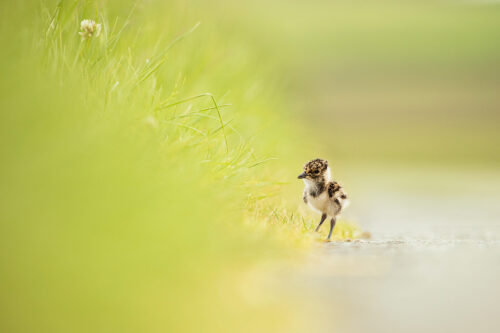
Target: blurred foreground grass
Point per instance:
(139, 174)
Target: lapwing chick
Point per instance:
(321, 193)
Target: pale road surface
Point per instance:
(432, 264)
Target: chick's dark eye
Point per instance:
(316, 172)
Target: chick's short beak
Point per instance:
(302, 175)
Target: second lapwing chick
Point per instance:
(321, 193)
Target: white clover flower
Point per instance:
(89, 28)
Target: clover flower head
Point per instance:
(89, 28)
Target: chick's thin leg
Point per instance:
(323, 218)
(332, 225)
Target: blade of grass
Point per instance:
(263, 161)
(216, 106)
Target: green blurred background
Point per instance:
(401, 81)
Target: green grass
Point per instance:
(141, 173)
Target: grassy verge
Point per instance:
(143, 172)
